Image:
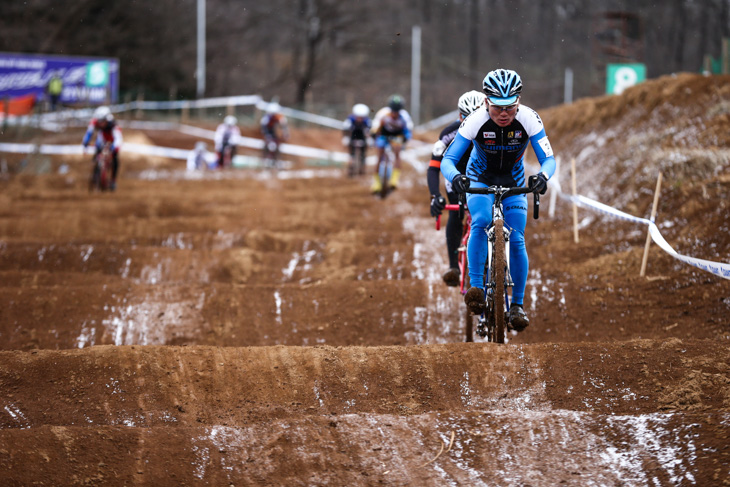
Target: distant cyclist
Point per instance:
(392, 127)
(198, 157)
(275, 129)
(226, 136)
(499, 132)
(356, 137)
(104, 127)
(468, 102)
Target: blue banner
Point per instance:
(86, 80)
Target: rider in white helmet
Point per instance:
(275, 129)
(106, 131)
(356, 137)
(469, 102)
(198, 157)
(226, 140)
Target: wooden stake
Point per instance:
(645, 258)
(575, 205)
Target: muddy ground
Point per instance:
(251, 327)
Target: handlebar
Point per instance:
(502, 192)
(450, 207)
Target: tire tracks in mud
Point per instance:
(364, 414)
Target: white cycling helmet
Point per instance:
(102, 112)
(469, 102)
(273, 108)
(502, 86)
(230, 120)
(361, 110)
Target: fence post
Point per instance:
(645, 258)
(575, 205)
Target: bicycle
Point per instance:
(101, 172)
(493, 322)
(358, 147)
(385, 166)
(271, 153)
(226, 158)
(465, 218)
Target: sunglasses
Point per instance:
(499, 109)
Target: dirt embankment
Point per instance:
(260, 328)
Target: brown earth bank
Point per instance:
(253, 327)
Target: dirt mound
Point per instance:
(288, 328)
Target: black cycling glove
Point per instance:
(438, 203)
(460, 183)
(538, 183)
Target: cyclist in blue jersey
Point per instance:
(499, 132)
(468, 102)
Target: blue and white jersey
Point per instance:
(499, 152)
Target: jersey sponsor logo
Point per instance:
(510, 134)
(515, 207)
(545, 145)
(489, 135)
(518, 133)
(490, 142)
(514, 142)
(537, 116)
(495, 148)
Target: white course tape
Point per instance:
(174, 153)
(717, 268)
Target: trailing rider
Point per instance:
(275, 129)
(104, 127)
(356, 137)
(226, 135)
(500, 132)
(468, 102)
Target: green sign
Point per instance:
(97, 74)
(621, 76)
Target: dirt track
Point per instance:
(260, 329)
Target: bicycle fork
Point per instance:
(486, 325)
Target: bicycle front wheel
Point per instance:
(384, 173)
(496, 274)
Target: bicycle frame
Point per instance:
(498, 280)
(101, 172)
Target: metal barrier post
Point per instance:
(575, 205)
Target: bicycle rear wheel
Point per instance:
(469, 316)
(496, 274)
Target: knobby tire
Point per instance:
(383, 175)
(497, 274)
(469, 329)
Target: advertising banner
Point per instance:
(85, 80)
(621, 76)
